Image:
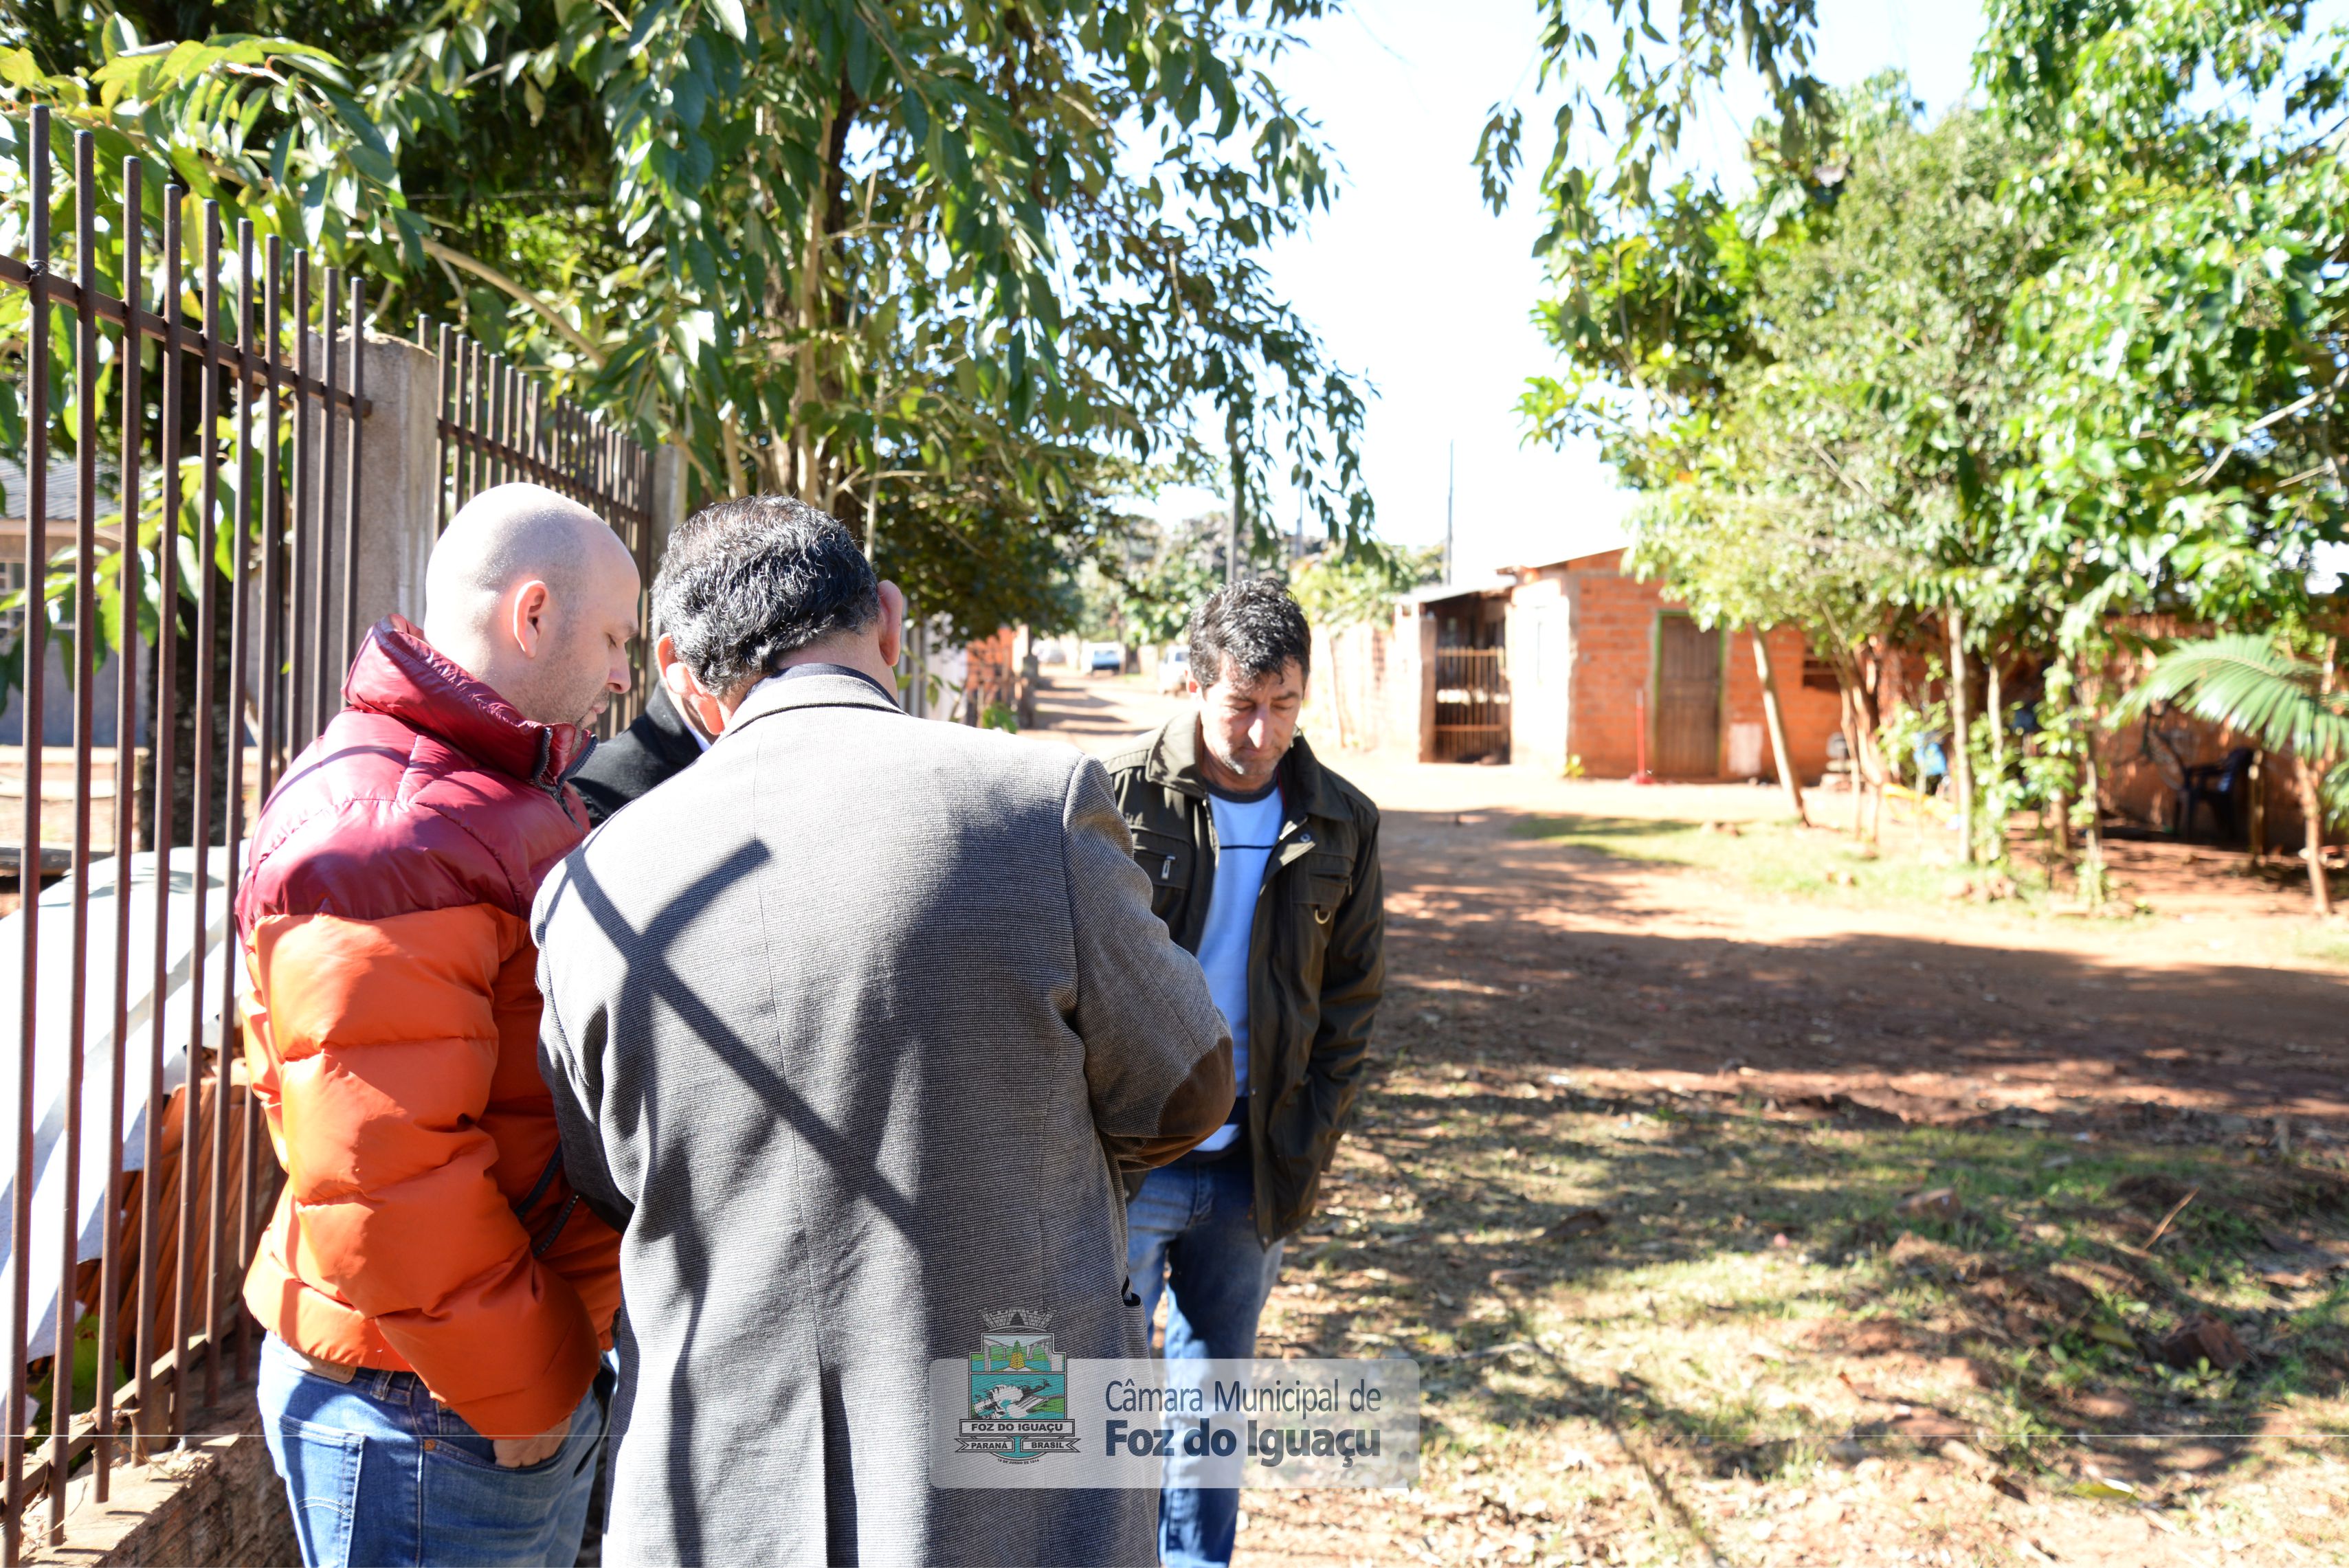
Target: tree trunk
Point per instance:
(2312, 807)
(2256, 823)
(1997, 715)
(1961, 760)
(1868, 718)
(1777, 722)
(1995, 829)
(1845, 706)
(2091, 795)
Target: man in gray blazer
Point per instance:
(853, 1028)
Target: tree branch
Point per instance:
(506, 285)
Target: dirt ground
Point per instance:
(1871, 1191)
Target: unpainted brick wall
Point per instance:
(217, 1500)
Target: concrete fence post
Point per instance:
(399, 479)
(668, 496)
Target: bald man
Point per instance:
(438, 1300)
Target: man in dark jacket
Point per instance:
(661, 744)
(1265, 864)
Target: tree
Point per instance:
(2070, 358)
(1816, 384)
(954, 271)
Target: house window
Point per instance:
(1818, 675)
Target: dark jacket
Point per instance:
(1317, 961)
(654, 750)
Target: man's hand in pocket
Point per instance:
(519, 1453)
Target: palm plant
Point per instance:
(2290, 704)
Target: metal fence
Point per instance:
(221, 394)
(1472, 705)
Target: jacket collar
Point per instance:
(773, 696)
(666, 722)
(400, 675)
(1175, 765)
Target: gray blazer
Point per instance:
(852, 1027)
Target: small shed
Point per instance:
(1572, 666)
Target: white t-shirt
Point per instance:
(1246, 833)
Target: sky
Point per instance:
(1416, 286)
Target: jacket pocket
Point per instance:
(1326, 882)
(1166, 860)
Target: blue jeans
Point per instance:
(379, 1474)
(1192, 1231)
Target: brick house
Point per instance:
(1569, 660)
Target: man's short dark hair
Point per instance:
(745, 583)
(1255, 627)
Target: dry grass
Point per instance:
(1761, 1358)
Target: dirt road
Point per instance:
(1637, 971)
(1636, 1183)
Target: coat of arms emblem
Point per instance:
(1019, 1392)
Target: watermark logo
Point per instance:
(1010, 1415)
(1018, 1398)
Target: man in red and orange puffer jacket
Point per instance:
(436, 1299)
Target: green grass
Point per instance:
(2325, 944)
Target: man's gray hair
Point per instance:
(745, 583)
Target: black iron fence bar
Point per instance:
(330, 672)
(242, 529)
(201, 819)
(131, 361)
(37, 510)
(355, 322)
(273, 511)
(300, 662)
(583, 487)
(85, 605)
(163, 749)
(65, 294)
(444, 395)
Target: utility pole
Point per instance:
(1451, 475)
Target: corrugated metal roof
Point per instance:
(1432, 592)
(65, 489)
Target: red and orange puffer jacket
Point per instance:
(392, 1037)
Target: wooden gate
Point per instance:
(1688, 699)
(1472, 706)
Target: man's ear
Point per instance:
(696, 702)
(892, 623)
(530, 616)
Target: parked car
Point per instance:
(1173, 669)
(1104, 659)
